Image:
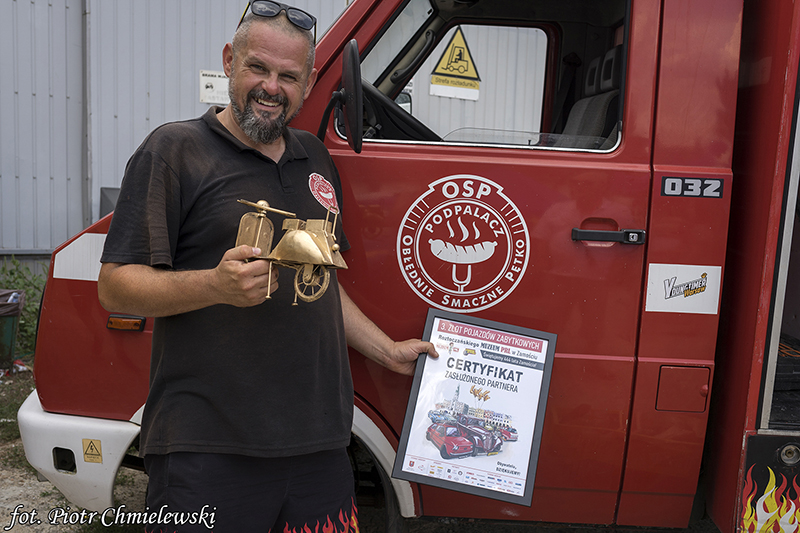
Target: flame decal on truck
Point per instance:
(777, 508)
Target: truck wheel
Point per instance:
(444, 453)
(393, 520)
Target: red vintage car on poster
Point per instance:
(508, 434)
(449, 440)
(484, 442)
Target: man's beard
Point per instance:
(260, 129)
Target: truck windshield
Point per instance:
(411, 19)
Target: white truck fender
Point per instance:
(98, 446)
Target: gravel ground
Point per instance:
(20, 486)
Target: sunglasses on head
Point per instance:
(267, 8)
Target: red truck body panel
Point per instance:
(765, 122)
(693, 138)
(83, 368)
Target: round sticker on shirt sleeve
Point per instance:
(324, 192)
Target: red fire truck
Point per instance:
(633, 163)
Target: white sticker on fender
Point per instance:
(683, 288)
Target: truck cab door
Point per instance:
(516, 189)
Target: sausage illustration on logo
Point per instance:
(463, 245)
(462, 255)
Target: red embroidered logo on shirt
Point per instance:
(324, 192)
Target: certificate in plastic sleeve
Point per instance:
(475, 414)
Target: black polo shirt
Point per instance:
(271, 380)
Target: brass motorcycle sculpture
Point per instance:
(308, 246)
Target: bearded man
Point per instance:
(251, 399)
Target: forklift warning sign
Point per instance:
(455, 75)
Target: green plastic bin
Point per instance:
(11, 304)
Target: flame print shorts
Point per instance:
(200, 492)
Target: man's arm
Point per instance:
(147, 291)
(363, 335)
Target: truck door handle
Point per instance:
(625, 236)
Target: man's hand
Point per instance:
(404, 354)
(242, 283)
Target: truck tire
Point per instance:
(393, 520)
(395, 523)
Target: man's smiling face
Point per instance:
(269, 80)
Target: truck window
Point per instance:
(483, 84)
(481, 74)
(414, 16)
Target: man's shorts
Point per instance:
(200, 492)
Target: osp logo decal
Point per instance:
(463, 246)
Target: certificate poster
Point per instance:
(475, 415)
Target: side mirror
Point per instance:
(351, 97)
(404, 101)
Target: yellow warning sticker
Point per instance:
(455, 74)
(456, 61)
(92, 451)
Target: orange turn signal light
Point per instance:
(126, 323)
